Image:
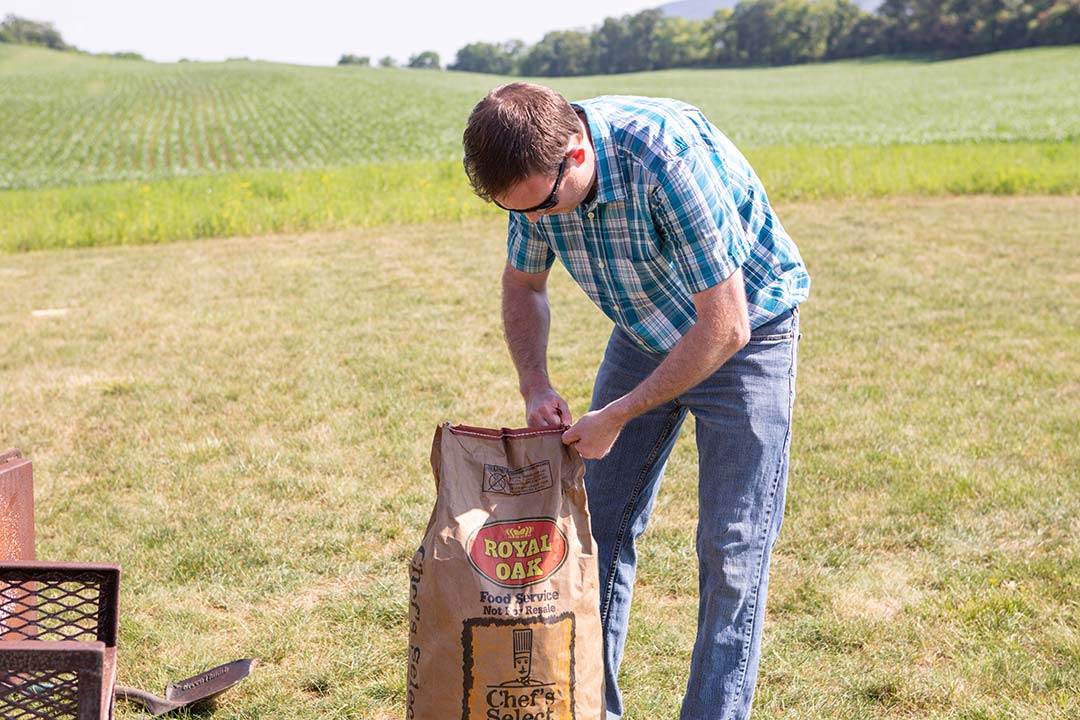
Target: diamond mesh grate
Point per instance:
(58, 604)
(40, 695)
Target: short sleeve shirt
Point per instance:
(677, 210)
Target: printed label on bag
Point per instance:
(516, 553)
(412, 681)
(519, 669)
(508, 481)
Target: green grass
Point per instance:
(98, 151)
(245, 426)
(239, 204)
(256, 203)
(72, 120)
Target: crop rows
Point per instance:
(110, 120)
(94, 120)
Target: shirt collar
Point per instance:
(609, 182)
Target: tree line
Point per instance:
(427, 60)
(782, 32)
(754, 32)
(20, 31)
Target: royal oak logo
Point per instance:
(516, 553)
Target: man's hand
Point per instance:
(595, 433)
(545, 408)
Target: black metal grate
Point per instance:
(58, 605)
(40, 695)
(60, 611)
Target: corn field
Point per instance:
(67, 119)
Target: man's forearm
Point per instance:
(697, 355)
(721, 330)
(526, 322)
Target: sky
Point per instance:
(309, 32)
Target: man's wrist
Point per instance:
(533, 382)
(621, 411)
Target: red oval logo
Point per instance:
(516, 553)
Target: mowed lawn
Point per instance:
(245, 425)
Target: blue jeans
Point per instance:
(743, 418)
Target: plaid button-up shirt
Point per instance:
(677, 210)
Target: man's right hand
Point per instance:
(546, 408)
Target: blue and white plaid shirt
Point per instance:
(677, 210)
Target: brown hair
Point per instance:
(517, 130)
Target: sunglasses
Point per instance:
(552, 199)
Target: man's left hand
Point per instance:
(594, 433)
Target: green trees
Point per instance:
(427, 60)
(964, 27)
(783, 32)
(563, 52)
(360, 60)
(755, 32)
(497, 59)
(679, 42)
(123, 55)
(1058, 23)
(29, 32)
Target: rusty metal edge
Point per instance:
(9, 456)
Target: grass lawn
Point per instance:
(244, 424)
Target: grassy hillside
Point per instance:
(71, 120)
(99, 151)
(260, 202)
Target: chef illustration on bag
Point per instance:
(523, 640)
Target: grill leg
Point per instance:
(16, 507)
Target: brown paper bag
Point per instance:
(504, 617)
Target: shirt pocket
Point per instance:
(641, 244)
(625, 236)
(644, 250)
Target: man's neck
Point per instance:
(588, 133)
